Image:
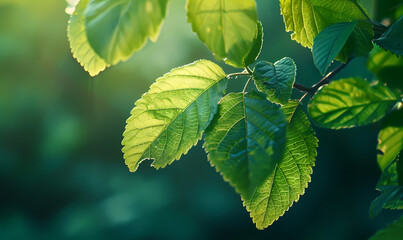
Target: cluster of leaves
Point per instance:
(260, 141)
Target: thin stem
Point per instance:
(327, 78)
(301, 88)
(246, 85)
(249, 80)
(237, 74)
(363, 12)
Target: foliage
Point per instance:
(261, 142)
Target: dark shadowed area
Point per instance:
(62, 173)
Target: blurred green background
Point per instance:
(62, 173)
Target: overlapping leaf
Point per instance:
(256, 46)
(118, 28)
(79, 45)
(246, 140)
(350, 102)
(329, 42)
(307, 18)
(171, 117)
(392, 39)
(227, 27)
(291, 174)
(276, 80)
(391, 188)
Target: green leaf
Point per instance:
(387, 67)
(246, 139)
(391, 197)
(276, 80)
(171, 117)
(227, 27)
(329, 42)
(256, 47)
(291, 175)
(307, 18)
(392, 39)
(393, 232)
(390, 139)
(118, 28)
(399, 167)
(79, 45)
(349, 103)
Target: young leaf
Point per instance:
(276, 80)
(227, 27)
(246, 140)
(256, 47)
(171, 117)
(349, 103)
(390, 139)
(79, 45)
(392, 39)
(329, 42)
(291, 174)
(117, 29)
(393, 232)
(307, 18)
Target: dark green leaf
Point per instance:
(276, 80)
(227, 27)
(329, 42)
(117, 29)
(391, 197)
(291, 175)
(246, 140)
(392, 39)
(349, 103)
(79, 45)
(393, 232)
(171, 117)
(256, 47)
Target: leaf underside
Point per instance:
(171, 117)
(227, 27)
(118, 28)
(350, 102)
(291, 175)
(246, 139)
(329, 42)
(276, 80)
(79, 44)
(256, 46)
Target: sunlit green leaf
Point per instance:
(118, 28)
(276, 80)
(349, 103)
(291, 174)
(393, 232)
(79, 45)
(227, 27)
(246, 140)
(171, 117)
(392, 39)
(390, 139)
(329, 42)
(256, 47)
(307, 18)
